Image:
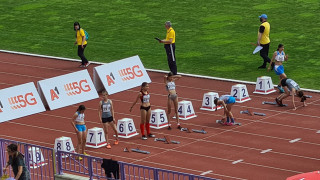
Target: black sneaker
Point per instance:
(262, 67)
(151, 135)
(144, 137)
(279, 102)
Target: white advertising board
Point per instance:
(120, 75)
(68, 89)
(19, 101)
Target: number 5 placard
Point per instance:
(67, 89)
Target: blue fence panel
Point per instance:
(43, 162)
(39, 160)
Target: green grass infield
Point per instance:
(212, 37)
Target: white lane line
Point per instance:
(207, 172)
(237, 161)
(318, 131)
(265, 151)
(295, 140)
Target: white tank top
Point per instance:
(171, 86)
(80, 117)
(279, 56)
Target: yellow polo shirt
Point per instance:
(80, 34)
(171, 34)
(265, 35)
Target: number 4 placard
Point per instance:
(126, 128)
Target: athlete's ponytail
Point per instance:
(215, 101)
(81, 108)
(279, 46)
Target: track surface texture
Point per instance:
(261, 148)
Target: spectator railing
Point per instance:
(43, 163)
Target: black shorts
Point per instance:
(145, 108)
(106, 120)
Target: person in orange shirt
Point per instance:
(264, 40)
(169, 45)
(82, 44)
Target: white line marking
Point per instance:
(237, 161)
(295, 140)
(265, 151)
(318, 131)
(207, 172)
(153, 70)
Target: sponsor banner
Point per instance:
(68, 89)
(19, 101)
(120, 75)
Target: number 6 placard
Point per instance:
(126, 128)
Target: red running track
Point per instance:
(259, 149)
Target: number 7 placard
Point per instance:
(67, 89)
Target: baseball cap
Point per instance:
(263, 16)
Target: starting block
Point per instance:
(96, 138)
(140, 151)
(185, 129)
(272, 103)
(185, 110)
(126, 128)
(208, 101)
(35, 157)
(240, 92)
(158, 119)
(254, 113)
(220, 122)
(166, 140)
(264, 85)
(202, 131)
(64, 144)
(308, 96)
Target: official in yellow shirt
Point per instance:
(264, 40)
(169, 45)
(82, 44)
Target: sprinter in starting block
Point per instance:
(226, 101)
(291, 85)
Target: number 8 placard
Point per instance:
(126, 128)
(63, 144)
